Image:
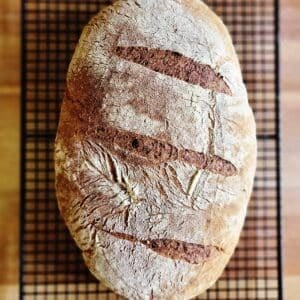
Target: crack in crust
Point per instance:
(175, 65)
(139, 149)
(174, 249)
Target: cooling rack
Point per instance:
(51, 264)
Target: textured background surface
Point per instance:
(9, 144)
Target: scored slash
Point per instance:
(176, 65)
(145, 150)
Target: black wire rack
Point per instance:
(51, 264)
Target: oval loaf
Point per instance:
(155, 151)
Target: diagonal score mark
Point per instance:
(175, 65)
(174, 249)
(137, 148)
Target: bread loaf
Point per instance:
(155, 151)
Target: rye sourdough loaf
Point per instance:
(156, 150)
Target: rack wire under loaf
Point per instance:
(51, 264)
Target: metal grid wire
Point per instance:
(51, 264)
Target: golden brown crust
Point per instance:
(154, 170)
